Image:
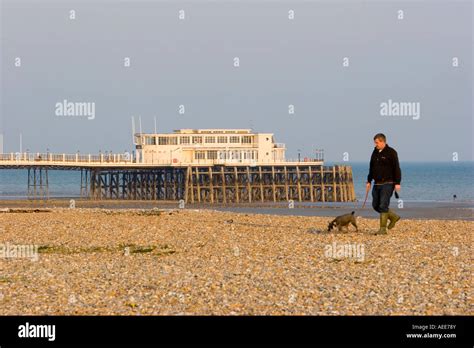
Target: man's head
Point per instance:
(380, 141)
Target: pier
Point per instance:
(120, 176)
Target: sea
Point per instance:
(421, 182)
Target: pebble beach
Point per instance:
(203, 262)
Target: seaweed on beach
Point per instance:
(27, 210)
(133, 249)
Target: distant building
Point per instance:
(209, 146)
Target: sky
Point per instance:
(423, 60)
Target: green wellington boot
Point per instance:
(393, 219)
(383, 224)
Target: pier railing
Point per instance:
(65, 158)
(105, 159)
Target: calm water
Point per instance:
(423, 182)
(427, 181)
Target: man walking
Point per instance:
(386, 173)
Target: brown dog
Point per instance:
(343, 221)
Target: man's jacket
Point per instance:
(384, 166)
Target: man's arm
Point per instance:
(397, 173)
(371, 172)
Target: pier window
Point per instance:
(197, 140)
(210, 140)
(222, 139)
(199, 155)
(173, 140)
(249, 155)
(212, 154)
(235, 155)
(163, 141)
(222, 155)
(184, 140)
(150, 140)
(247, 139)
(234, 139)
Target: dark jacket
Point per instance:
(384, 166)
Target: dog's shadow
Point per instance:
(314, 230)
